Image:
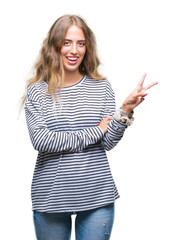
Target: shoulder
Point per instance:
(101, 83)
(36, 91)
(102, 86)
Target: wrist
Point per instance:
(124, 113)
(124, 117)
(126, 108)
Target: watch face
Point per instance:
(123, 113)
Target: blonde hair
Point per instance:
(49, 66)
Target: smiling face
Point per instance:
(73, 49)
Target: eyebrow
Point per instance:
(66, 39)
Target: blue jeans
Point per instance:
(94, 224)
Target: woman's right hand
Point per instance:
(104, 124)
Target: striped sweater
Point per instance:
(72, 172)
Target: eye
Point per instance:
(66, 43)
(81, 44)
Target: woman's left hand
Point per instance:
(137, 96)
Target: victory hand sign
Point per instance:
(137, 96)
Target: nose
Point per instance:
(74, 48)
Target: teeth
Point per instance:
(72, 59)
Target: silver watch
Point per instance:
(128, 114)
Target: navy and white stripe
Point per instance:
(72, 172)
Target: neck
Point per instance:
(71, 78)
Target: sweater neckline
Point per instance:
(72, 86)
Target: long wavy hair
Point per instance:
(49, 66)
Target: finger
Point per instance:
(142, 99)
(108, 118)
(141, 82)
(139, 101)
(150, 85)
(142, 94)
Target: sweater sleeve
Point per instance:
(44, 139)
(116, 129)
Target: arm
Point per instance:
(116, 129)
(45, 140)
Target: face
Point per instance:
(73, 49)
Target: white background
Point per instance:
(133, 37)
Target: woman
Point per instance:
(72, 122)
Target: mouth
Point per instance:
(72, 60)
